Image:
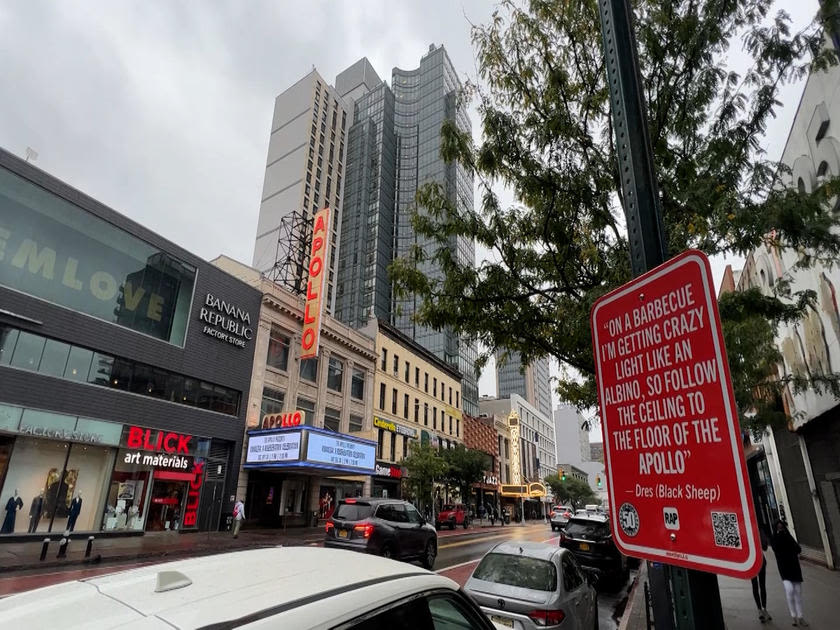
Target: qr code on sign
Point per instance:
(725, 525)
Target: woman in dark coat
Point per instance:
(787, 552)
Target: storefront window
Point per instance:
(56, 251)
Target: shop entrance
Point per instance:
(167, 502)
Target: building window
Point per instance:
(406, 371)
(396, 364)
(357, 385)
(450, 395)
(384, 359)
(450, 425)
(393, 447)
(335, 374)
(308, 409)
(278, 350)
(394, 401)
(405, 406)
(417, 377)
(332, 419)
(380, 438)
(434, 418)
(382, 396)
(434, 387)
(272, 401)
(425, 414)
(426, 382)
(355, 424)
(416, 410)
(457, 400)
(309, 369)
(33, 352)
(405, 447)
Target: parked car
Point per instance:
(529, 585)
(560, 515)
(383, 527)
(452, 515)
(279, 587)
(590, 539)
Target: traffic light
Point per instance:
(598, 480)
(562, 474)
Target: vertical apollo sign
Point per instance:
(675, 465)
(315, 286)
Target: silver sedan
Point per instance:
(530, 586)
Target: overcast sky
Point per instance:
(162, 109)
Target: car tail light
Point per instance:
(329, 526)
(351, 501)
(365, 529)
(547, 617)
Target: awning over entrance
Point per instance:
(531, 490)
(309, 450)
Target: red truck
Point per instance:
(453, 515)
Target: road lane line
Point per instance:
(461, 543)
(458, 566)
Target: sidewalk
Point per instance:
(25, 556)
(820, 590)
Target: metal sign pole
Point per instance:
(695, 594)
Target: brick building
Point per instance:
(480, 433)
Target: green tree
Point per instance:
(545, 118)
(424, 466)
(466, 466)
(573, 491)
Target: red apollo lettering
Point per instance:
(316, 266)
(319, 224)
(317, 243)
(308, 338)
(310, 293)
(307, 317)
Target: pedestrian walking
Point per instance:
(238, 517)
(759, 587)
(787, 552)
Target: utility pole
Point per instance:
(694, 594)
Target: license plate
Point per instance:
(502, 621)
(584, 546)
(342, 533)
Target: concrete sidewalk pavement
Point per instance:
(820, 592)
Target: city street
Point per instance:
(459, 553)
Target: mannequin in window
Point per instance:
(12, 506)
(35, 511)
(75, 508)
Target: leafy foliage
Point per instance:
(548, 137)
(424, 466)
(466, 467)
(456, 468)
(573, 491)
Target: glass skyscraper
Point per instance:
(394, 148)
(533, 382)
(425, 97)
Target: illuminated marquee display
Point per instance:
(315, 286)
(515, 464)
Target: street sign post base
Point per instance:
(696, 599)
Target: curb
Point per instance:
(631, 598)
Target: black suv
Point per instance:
(384, 527)
(590, 539)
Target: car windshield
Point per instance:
(584, 528)
(447, 508)
(352, 511)
(499, 568)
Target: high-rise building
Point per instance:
(532, 382)
(571, 436)
(304, 171)
(367, 229)
(424, 98)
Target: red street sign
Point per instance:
(676, 475)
